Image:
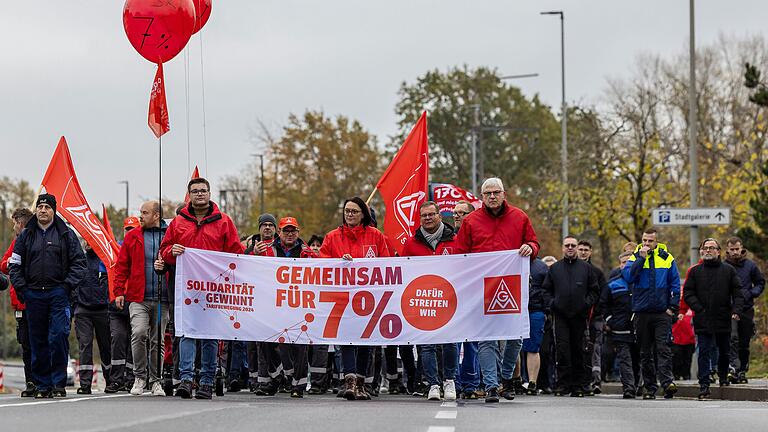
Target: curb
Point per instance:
(732, 392)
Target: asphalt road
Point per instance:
(243, 411)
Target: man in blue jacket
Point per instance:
(655, 282)
(46, 265)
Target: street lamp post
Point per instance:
(127, 198)
(563, 121)
(692, 135)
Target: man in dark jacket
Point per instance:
(616, 305)
(572, 288)
(713, 290)
(46, 265)
(594, 354)
(537, 316)
(752, 285)
(91, 315)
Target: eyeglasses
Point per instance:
(351, 212)
(428, 215)
(290, 232)
(569, 246)
(461, 213)
(198, 191)
(492, 193)
(710, 248)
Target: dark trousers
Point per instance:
(318, 366)
(88, 322)
(22, 337)
(623, 352)
(49, 324)
(709, 345)
(682, 357)
(294, 360)
(269, 367)
(120, 348)
(569, 346)
(253, 362)
(355, 359)
(741, 336)
(653, 333)
(393, 372)
(547, 357)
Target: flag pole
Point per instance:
(160, 338)
(32, 207)
(371, 196)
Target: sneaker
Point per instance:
(297, 393)
(43, 394)
(649, 396)
(59, 392)
(316, 391)
(629, 394)
(138, 387)
(597, 390)
(29, 391)
(434, 393)
(266, 389)
(559, 392)
(86, 390)
(517, 385)
(531, 390)
(469, 394)
(157, 389)
(113, 388)
(507, 389)
(743, 378)
(205, 391)
(577, 393)
(184, 390)
(234, 386)
(492, 396)
(670, 391)
(449, 390)
(704, 393)
(732, 378)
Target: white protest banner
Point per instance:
(375, 301)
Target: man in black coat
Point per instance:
(713, 290)
(572, 289)
(46, 265)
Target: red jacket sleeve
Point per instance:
(6, 256)
(232, 240)
(122, 268)
(463, 238)
(386, 250)
(326, 249)
(169, 239)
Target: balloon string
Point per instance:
(186, 97)
(202, 85)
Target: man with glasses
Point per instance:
(594, 354)
(654, 280)
(497, 226)
(460, 211)
(199, 225)
(713, 291)
(433, 237)
(571, 287)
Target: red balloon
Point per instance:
(202, 13)
(159, 29)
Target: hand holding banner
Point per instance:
(377, 301)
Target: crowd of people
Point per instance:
(637, 324)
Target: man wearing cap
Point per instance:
(137, 282)
(46, 265)
(201, 225)
(121, 373)
(293, 356)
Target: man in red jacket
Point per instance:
(199, 225)
(20, 218)
(433, 237)
(137, 282)
(497, 226)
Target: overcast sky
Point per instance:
(68, 69)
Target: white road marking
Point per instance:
(441, 429)
(446, 414)
(54, 401)
(448, 404)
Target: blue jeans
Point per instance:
(355, 359)
(429, 362)
(48, 317)
(239, 360)
(469, 372)
(208, 352)
(713, 353)
(490, 354)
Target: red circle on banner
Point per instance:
(158, 30)
(236, 325)
(309, 317)
(428, 302)
(202, 13)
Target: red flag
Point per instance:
(195, 174)
(60, 180)
(113, 240)
(158, 108)
(404, 186)
(446, 196)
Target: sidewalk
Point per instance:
(756, 390)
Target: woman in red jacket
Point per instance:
(355, 238)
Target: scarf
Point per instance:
(433, 238)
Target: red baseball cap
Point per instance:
(288, 221)
(131, 222)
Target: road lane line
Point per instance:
(446, 414)
(448, 404)
(155, 419)
(441, 429)
(54, 401)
